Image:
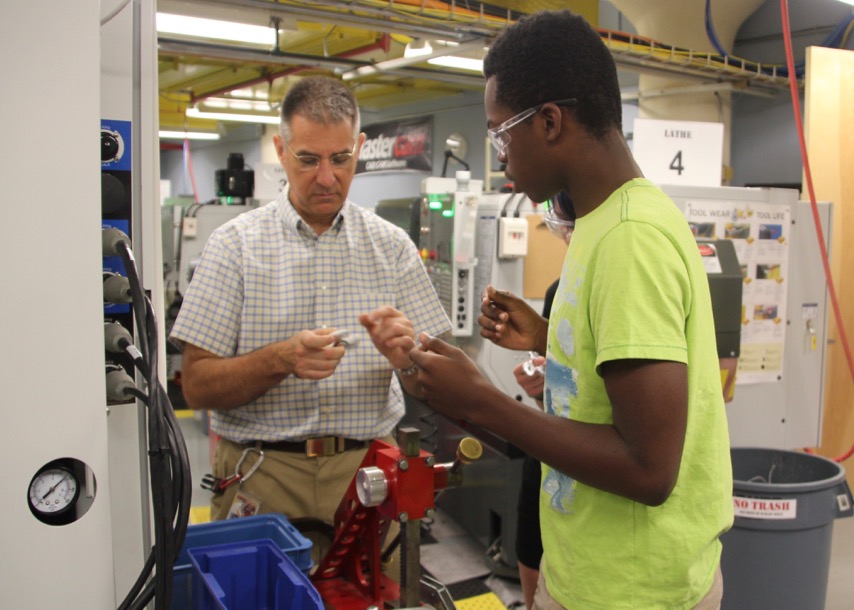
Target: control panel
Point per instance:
(448, 247)
(116, 214)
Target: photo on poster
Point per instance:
(770, 231)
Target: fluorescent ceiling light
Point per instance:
(231, 116)
(188, 135)
(418, 47)
(453, 61)
(851, 2)
(235, 103)
(211, 28)
(400, 62)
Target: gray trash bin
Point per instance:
(777, 555)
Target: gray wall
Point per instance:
(207, 157)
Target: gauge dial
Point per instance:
(53, 491)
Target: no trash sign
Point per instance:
(765, 508)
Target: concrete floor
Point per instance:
(840, 586)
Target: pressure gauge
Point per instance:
(53, 492)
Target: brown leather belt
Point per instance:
(323, 446)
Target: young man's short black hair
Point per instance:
(552, 55)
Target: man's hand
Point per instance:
(210, 381)
(510, 322)
(315, 353)
(532, 384)
(392, 334)
(450, 381)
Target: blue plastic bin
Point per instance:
(252, 575)
(272, 526)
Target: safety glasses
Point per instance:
(557, 223)
(308, 162)
(499, 137)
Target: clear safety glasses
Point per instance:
(559, 225)
(308, 162)
(499, 137)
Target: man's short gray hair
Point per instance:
(320, 99)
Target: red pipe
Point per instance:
(793, 86)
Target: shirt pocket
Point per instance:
(363, 371)
(353, 305)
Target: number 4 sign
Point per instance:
(687, 153)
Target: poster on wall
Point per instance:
(396, 146)
(760, 234)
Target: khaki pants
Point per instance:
(711, 601)
(294, 485)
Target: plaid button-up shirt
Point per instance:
(265, 276)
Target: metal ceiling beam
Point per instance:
(179, 48)
(748, 82)
(401, 62)
(708, 87)
(383, 21)
(169, 47)
(745, 81)
(440, 76)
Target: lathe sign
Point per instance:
(765, 508)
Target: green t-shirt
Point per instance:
(633, 286)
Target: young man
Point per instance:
(637, 480)
(258, 321)
(560, 219)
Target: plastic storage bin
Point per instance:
(777, 555)
(272, 526)
(251, 575)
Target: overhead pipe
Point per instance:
(170, 47)
(382, 44)
(205, 50)
(401, 62)
(382, 23)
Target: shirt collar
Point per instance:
(292, 220)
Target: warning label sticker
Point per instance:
(765, 508)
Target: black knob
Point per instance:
(109, 146)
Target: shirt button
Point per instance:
(326, 410)
(323, 286)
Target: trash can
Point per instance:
(777, 555)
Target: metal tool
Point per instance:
(392, 483)
(218, 485)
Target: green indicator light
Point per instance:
(447, 213)
(435, 205)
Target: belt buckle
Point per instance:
(323, 446)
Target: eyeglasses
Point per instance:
(308, 162)
(557, 224)
(499, 137)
